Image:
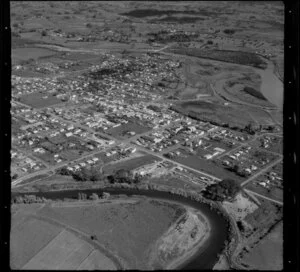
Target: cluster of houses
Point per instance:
(24, 164)
(85, 163)
(267, 141)
(22, 86)
(181, 130)
(272, 178)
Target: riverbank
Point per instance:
(221, 229)
(200, 244)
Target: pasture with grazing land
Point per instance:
(57, 235)
(268, 254)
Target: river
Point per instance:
(271, 86)
(206, 256)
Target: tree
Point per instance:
(14, 176)
(105, 195)
(250, 128)
(229, 31)
(224, 190)
(44, 33)
(236, 168)
(64, 172)
(94, 196)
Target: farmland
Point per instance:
(38, 231)
(135, 218)
(26, 53)
(267, 255)
(214, 113)
(237, 57)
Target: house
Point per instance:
(208, 156)
(69, 134)
(220, 150)
(248, 171)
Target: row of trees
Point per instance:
(94, 174)
(28, 199)
(84, 174)
(94, 196)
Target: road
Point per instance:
(261, 171)
(262, 196)
(138, 147)
(174, 162)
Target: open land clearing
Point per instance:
(128, 229)
(26, 53)
(39, 100)
(240, 207)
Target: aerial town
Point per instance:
(123, 104)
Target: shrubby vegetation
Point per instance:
(229, 31)
(94, 174)
(84, 174)
(94, 196)
(124, 176)
(28, 199)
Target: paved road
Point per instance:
(262, 196)
(174, 162)
(261, 171)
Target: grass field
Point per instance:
(39, 245)
(125, 229)
(65, 251)
(268, 254)
(39, 100)
(68, 252)
(27, 53)
(237, 57)
(96, 260)
(120, 131)
(31, 236)
(215, 113)
(274, 193)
